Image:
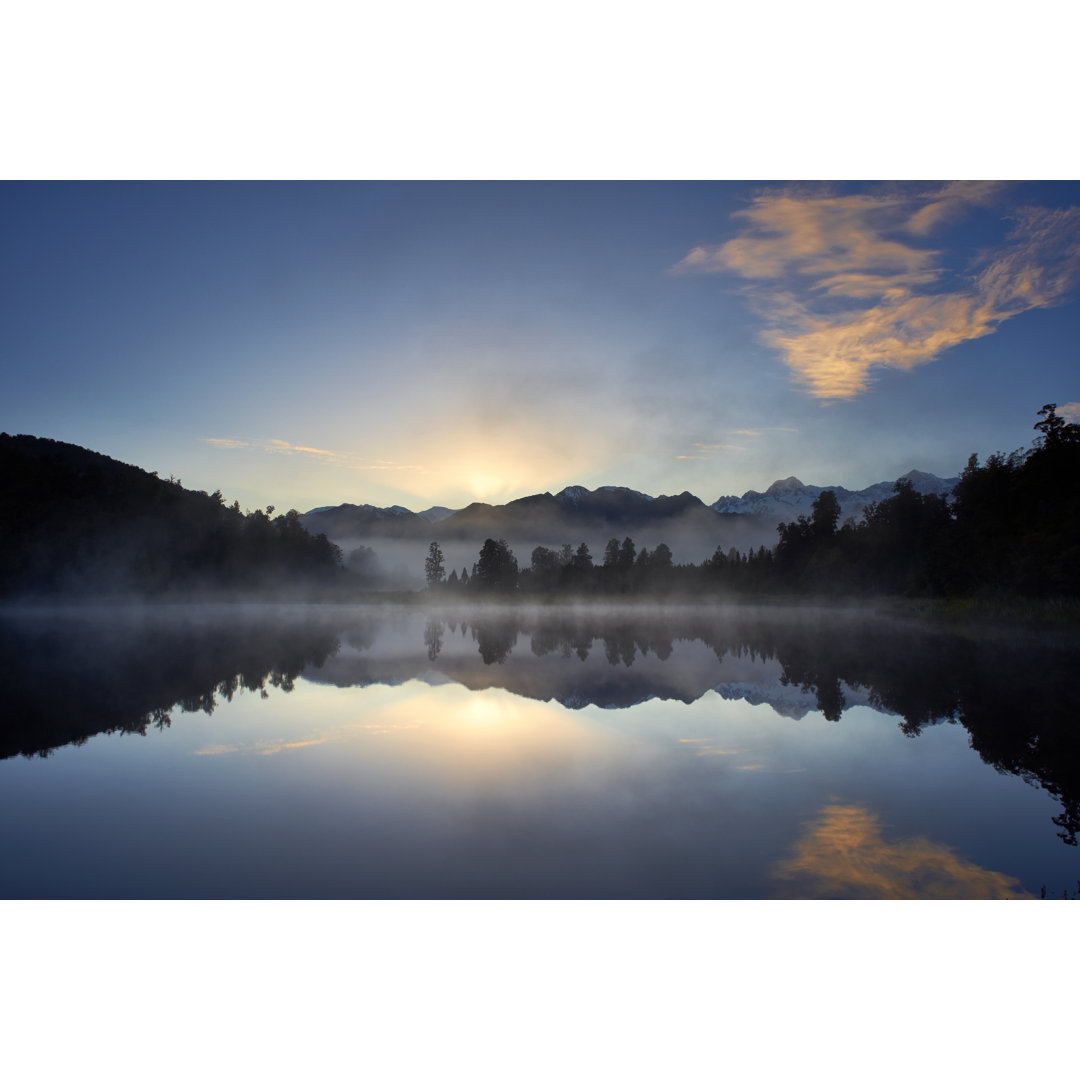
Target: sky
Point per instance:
(437, 343)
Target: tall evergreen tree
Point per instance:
(434, 571)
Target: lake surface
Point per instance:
(536, 753)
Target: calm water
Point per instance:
(292, 752)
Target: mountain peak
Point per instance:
(791, 486)
(436, 513)
(575, 494)
(612, 489)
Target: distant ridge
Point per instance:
(577, 512)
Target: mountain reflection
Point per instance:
(68, 679)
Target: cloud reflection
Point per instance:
(262, 747)
(845, 856)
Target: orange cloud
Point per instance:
(844, 855)
(818, 235)
(845, 288)
(951, 202)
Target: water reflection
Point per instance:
(68, 679)
(94, 671)
(845, 855)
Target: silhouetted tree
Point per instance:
(1052, 427)
(826, 514)
(582, 559)
(433, 565)
(545, 562)
(497, 569)
(661, 557)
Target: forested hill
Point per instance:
(75, 521)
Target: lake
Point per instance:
(381, 752)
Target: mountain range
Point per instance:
(692, 528)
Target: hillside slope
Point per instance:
(75, 521)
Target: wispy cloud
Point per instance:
(846, 284)
(1070, 410)
(703, 451)
(227, 444)
(340, 458)
(280, 446)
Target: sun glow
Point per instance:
(486, 710)
(496, 456)
(486, 486)
(492, 474)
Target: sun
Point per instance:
(486, 485)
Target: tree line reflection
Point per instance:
(66, 680)
(1016, 695)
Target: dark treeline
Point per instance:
(74, 521)
(623, 569)
(1012, 527)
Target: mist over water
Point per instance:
(399, 563)
(469, 750)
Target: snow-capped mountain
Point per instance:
(789, 700)
(786, 499)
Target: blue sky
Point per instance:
(436, 343)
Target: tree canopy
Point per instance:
(74, 521)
